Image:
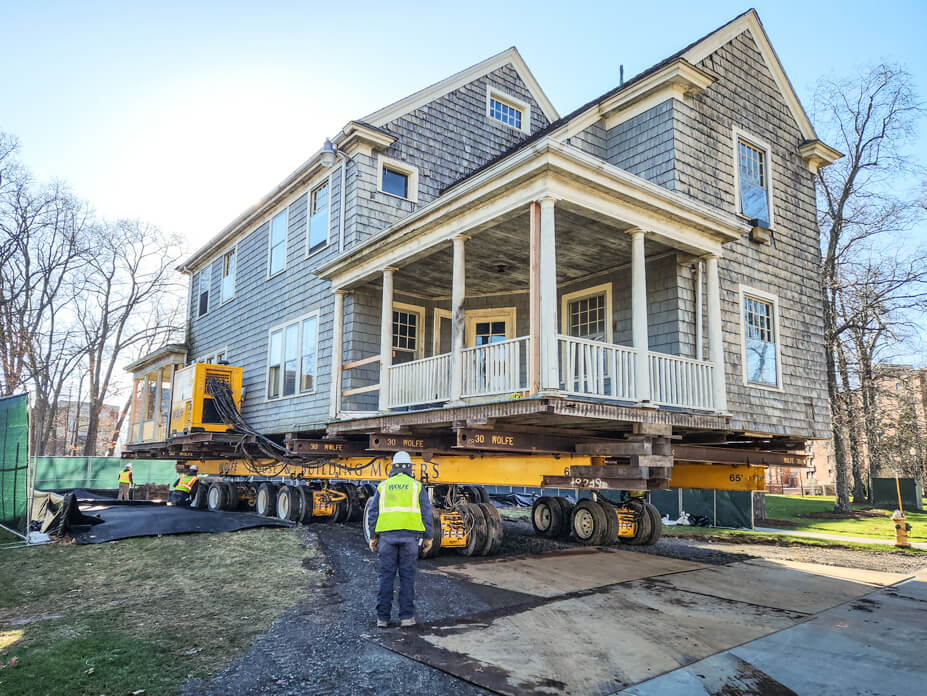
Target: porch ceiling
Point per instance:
(584, 246)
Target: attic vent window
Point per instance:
(506, 109)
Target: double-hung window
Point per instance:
(205, 280)
(586, 313)
(759, 327)
(291, 358)
(277, 243)
(318, 217)
(228, 275)
(407, 326)
(753, 181)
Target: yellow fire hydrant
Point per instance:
(901, 529)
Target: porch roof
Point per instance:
(546, 168)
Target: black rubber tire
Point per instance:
(216, 496)
(199, 496)
(231, 497)
(611, 526)
(495, 527)
(483, 495)
(656, 522)
(341, 507)
(305, 510)
(265, 502)
(644, 528)
(566, 509)
(289, 503)
(546, 516)
(367, 531)
(588, 522)
(355, 508)
(436, 539)
(476, 540)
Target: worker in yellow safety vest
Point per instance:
(184, 487)
(125, 482)
(400, 515)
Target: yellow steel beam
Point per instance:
(483, 470)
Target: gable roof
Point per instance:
(458, 80)
(694, 53)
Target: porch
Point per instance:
(548, 289)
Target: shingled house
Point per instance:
(468, 255)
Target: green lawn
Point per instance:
(803, 514)
(142, 613)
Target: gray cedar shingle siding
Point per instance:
(745, 95)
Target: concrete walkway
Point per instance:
(836, 537)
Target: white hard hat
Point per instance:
(128, 466)
(402, 458)
(193, 467)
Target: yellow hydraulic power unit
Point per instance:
(192, 408)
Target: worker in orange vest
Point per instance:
(125, 482)
(184, 488)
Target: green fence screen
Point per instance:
(14, 462)
(722, 508)
(98, 472)
(885, 493)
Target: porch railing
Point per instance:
(420, 381)
(495, 368)
(596, 368)
(682, 382)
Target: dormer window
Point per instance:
(398, 179)
(754, 199)
(506, 109)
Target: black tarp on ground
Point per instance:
(126, 521)
(58, 513)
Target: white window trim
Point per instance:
(738, 133)
(436, 328)
(286, 239)
(198, 293)
(211, 356)
(477, 315)
(222, 300)
(745, 290)
(508, 99)
(409, 170)
(419, 339)
(328, 226)
(299, 342)
(567, 298)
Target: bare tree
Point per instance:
(870, 117)
(128, 298)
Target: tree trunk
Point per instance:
(851, 419)
(111, 449)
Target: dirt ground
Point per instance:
(323, 646)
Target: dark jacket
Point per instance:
(424, 502)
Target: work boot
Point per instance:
(405, 623)
(382, 623)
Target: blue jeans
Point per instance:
(397, 552)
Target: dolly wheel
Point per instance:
(289, 503)
(231, 496)
(566, 509)
(436, 539)
(656, 522)
(494, 521)
(265, 502)
(305, 516)
(611, 524)
(589, 523)
(477, 532)
(216, 496)
(546, 516)
(644, 525)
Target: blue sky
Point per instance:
(185, 113)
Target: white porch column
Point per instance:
(458, 317)
(386, 336)
(334, 398)
(715, 343)
(639, 337)
(550, 370)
